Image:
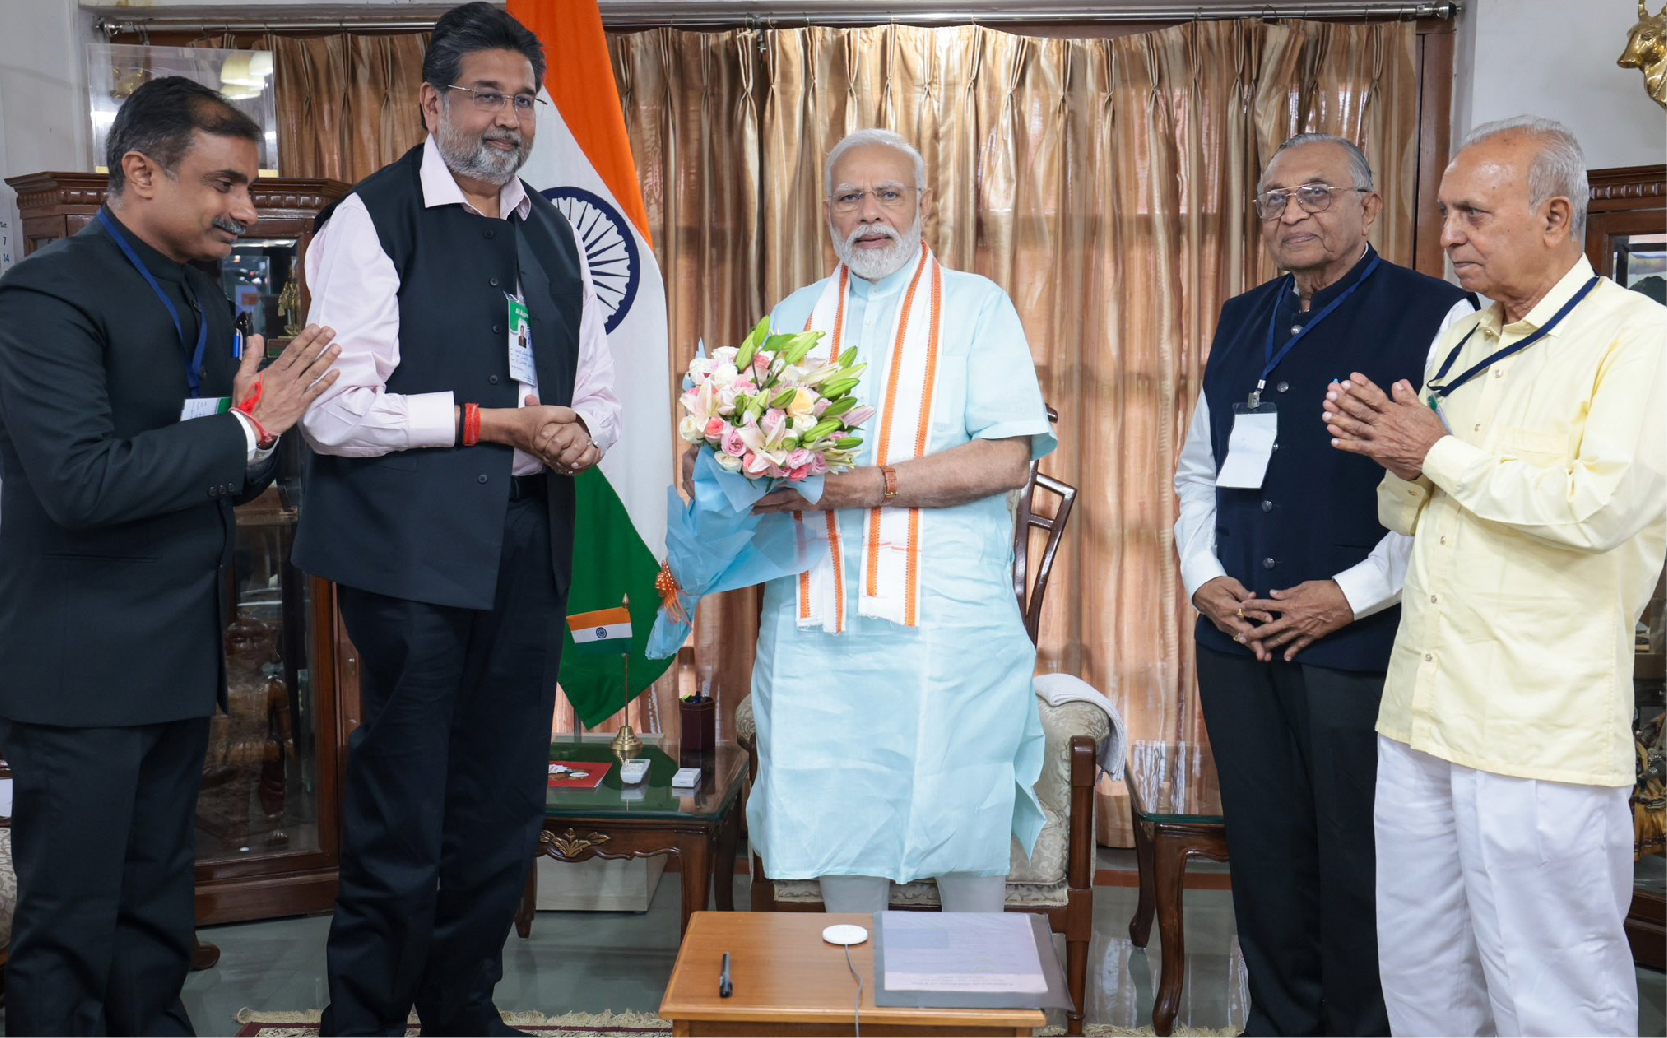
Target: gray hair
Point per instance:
(1359, 169)
(876, 136)
(1559, 169)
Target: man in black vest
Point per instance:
(1296, 584)
(122, 456)
(475, 385)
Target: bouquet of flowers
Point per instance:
(762, 419)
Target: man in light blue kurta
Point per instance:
(894, 751)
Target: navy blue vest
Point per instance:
(1316, 514)
(427, 525)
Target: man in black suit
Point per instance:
(122, 456)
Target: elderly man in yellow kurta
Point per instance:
(1532, 476)
(897, 728)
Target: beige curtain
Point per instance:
(1104, 183)
(347, 103)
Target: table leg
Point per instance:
(1170, 857)
(529, 899)
(694, 852)
(1140, 927)
(723, 860)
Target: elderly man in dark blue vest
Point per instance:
(1297, 584)
(475, 384)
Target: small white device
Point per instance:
(845, 934)
(686, 778)
(633, 771)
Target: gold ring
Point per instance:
(1241, 612)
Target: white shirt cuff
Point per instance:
(1363, 587)
(256, 456)
(431, 420)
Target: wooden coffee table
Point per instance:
(787, 981)
(700, 826)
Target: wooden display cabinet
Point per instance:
(1626, 239)
(268, 818)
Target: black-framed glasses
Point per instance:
(1311, 198)
(494, 100)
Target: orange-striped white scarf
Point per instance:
(889, 538)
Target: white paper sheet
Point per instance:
(961, 951)
(1248, 450)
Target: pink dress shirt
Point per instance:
(355, 290)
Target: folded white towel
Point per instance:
(1059, 689)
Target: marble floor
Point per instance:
(588, 962)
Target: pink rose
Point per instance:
(732, 443)
(760, 363)
(799, 472)
(715, 430)
(756, 465)
(797, 458)
(818, 465)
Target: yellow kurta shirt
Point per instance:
(1539, 528)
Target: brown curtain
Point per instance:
(347, 103)
(1104, 183)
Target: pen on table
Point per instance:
(725, 988)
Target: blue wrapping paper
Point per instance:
(715, 543)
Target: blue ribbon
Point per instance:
(193, 370)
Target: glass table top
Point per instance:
(1173, 782)
(721, 775)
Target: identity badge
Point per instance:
(203, 406)
(1250, 446)
(521, 367)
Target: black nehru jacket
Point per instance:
(1316, 514)
(117, 516)
(427, 525)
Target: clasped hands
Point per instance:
(1396, 430)
(1294, 618)
(555, 435)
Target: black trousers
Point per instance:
(1297, 755)
(104, 844)
(445, 794)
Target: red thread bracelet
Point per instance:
(263, 439)
(471, 424)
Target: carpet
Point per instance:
(625, 1025)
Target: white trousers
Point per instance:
(1501, 902)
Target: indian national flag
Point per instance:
(581, 161)
(604, 632)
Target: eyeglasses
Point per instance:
(493, 101)
(887, 197)
(1312, 198)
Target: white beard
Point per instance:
(875, 264)
(471, 157)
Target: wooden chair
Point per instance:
(1057, 880)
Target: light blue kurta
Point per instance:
(898, 752)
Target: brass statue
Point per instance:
(289, 304)
(1646, 50)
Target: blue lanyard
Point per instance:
(193, 370)
(1436, 392)
(1273, 328)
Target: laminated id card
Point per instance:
(521, 367)
(203, 406)
(1250, 446)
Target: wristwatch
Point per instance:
(890, 476)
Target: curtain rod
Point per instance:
(774, 14)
